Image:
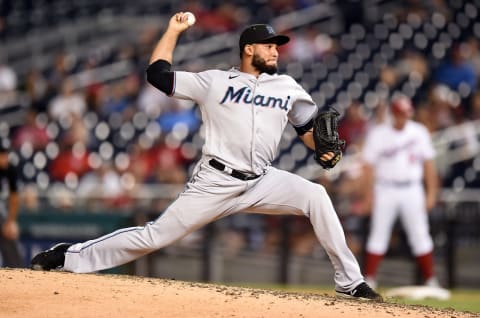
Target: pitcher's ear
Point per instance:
(248, 49)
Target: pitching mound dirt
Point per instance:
(26, 293)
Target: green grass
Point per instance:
(461, 300)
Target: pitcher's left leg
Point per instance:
(330, 233)
(281, 192)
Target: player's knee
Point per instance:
(420, 248)
(317, 197)
(378, 247)
(318, 191)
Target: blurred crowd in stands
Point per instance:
(95, 143)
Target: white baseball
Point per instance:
(190, 18)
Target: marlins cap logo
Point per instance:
(270, 29)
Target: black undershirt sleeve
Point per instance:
(10, 175)
(303, 129)
(159, 74)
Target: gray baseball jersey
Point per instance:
(244, 117)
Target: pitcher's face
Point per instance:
(265, 57)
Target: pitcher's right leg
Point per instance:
(202, 202)
(124, 245)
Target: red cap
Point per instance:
(402, 106)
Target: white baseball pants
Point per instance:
(408, 203)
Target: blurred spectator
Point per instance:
(187, 117)
(60, 196)
(119, 96)
(72, 159)
(132, 85)
(30, 198)
(8, 78)
(223, 17)
(166, 110)
(412, 63)
(61, 69)
(151, 101)
(78, 133)
(473, 53)
(8, 84)
(352, 127)
(141, 162)
(309, 45)
(161, 164)
(457, 69)
(94, 96)
(436, 113)
(389, 76)
(67, 103)
(168, 165)
(410, 66)
(33, 131)
(116, 100)
(475, 106)
(102, 187)
(9, 232)
(243, 231)
(38, 90)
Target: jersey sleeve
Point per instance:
(192, 86)
(303, 108)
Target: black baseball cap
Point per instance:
(261, 33)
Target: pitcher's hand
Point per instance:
(178, 22)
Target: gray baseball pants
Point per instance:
(210, 195)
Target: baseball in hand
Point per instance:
(190, 18)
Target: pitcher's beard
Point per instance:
(260, 64)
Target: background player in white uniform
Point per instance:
(244, 112)
(399, 158)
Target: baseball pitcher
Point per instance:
(244, 112)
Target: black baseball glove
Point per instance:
(326, 138)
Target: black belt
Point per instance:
(234, 173)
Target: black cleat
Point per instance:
(361, 292)
(52, 258)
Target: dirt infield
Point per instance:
(25, 293)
